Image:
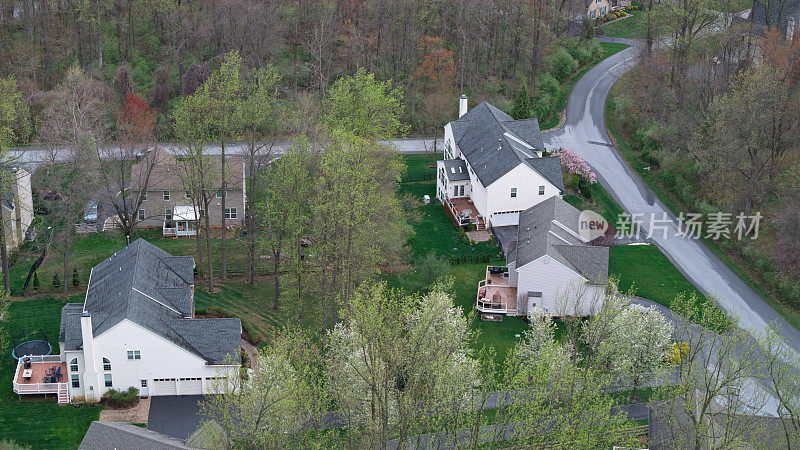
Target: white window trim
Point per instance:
(166, 195)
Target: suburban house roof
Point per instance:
(155, 290)
(167, 172)
(455, 170)
(550, 168)
(494, 143)
(551, 228)
(776, 14)
(116, 435)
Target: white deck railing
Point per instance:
(38, 388)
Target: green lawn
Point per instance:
(632, 26)
(566, 87)
(653, 276)
(38, 423)
(435, 232)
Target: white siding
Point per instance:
(527, 182)
(449, 139)
(553, 279)
(160, 358)
(478, 192)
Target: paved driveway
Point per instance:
(174, 415)
(585, 133)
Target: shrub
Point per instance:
(75, 281)
(121, 399)
(583, 56)
(562, 63)
(543, 105)
(56, 281)
(594, 48)
(35, 282)
(547, 84)
(522, 103)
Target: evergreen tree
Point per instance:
(75, 281)
(56, 281)
(522, 104)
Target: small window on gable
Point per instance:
(513, 192)
(541, 190)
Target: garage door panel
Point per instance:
(190, 386)
(164, 386)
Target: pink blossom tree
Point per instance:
(573, 163)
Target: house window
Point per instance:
(603, 11)
(144, 196)
(165, 195)
(592, 13)
(106, 365)
(76, 380)
(541, 190)
(107, 378)
(513, 192)
(202, 212)
(134, 354)
(144, 383)
(73, 365)
(219, 193)
(168, 214)
(231, 213)
(141, 215)
(188, 194)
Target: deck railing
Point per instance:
(37, 388)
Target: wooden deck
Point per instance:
(461, 210)
(39, 371)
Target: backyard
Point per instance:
(38, 423)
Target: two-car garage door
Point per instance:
(179, 386)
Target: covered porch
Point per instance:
(182, 223)
(41, 375)
(495, 296)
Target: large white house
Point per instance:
(550, 266)
(135, 328)
(493, 167)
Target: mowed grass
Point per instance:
(435, 232)
(650, 273)
(601, 202)
(632, 26)
(38, 423)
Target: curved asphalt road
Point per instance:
(585, 133)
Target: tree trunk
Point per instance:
(4, 256)
(208, 252)
(276, 254)
(67, 226)
(224, 228)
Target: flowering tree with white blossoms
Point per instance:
(574, 163)
(639, 341)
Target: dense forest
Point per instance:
(164, 49)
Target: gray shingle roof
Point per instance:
(456, 169)
(494, 143)
(70, 332)
(153, 289)
(123, 436)
(550, 168)
(539, 234)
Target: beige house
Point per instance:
(598, 8)
(169, 202)
(17, 205)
